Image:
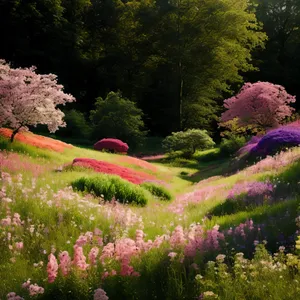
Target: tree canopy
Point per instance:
(176, 60)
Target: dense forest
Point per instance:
(177, 60)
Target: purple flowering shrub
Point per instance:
(285, 136)
(249, 145)
(244, 196)
(277, 139)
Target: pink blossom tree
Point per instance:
(29, 99)
(261, 105)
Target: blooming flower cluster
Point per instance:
(133, 176)
(194, 197)
(37, 140)
(276, 139)
(13, 162)
(111, 144)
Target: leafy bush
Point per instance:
(157, 190)
(77, 126)
(111, 144)
(276, 140)
(188, 141)
(109, 187)
(229, 146)
(117, 117)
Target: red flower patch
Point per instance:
(36, 140)
(133, 176)
(138, 162)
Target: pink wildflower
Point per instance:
(172, 255)
(177, 238)
(93, 255)
(34, 289)
(19, 245)
(13, 296)
(97, 232)
(65, 262)
(107, 251)
(100, 295)
(79, 258)
(26, 284)
(6, 221)
(82, 240)
(17, 220)
(52, 268)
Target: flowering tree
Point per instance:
(261, 105)
(29, 99)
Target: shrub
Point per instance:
(157, 190)
(188, 141)
(229, 146)
(119, 118)
(112, 187)
(276, 140)
(114, 145)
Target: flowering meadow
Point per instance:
(224, 237)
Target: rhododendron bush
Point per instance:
(133, 176)
(276, 140)
(29, 99)
(111, 144)
(262, 105)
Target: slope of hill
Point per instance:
(224, 237)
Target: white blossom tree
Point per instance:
(29, 99)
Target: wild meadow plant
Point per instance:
(59, 244)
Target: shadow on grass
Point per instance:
(207, 163)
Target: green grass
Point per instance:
(60, 215)
(157, 190)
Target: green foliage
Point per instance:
(229, 146)
(188, 141)
(77, 126)
(117, 117)
(109, 187)
(174, 58)
(233, 127)
(157, 190)
(263, 277)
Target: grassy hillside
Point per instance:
(159, 251)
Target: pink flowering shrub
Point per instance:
(114, 145)
(262, 104)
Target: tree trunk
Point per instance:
(13, 134)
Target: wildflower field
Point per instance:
(201, 233)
